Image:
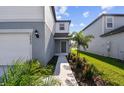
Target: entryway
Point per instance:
(63, 46)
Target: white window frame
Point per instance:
(112, 22)
(61, 26)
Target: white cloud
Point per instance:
(106, 7)
(82, 24)
(103, 12)
(58, 17)
(72, 25)
(62, 10)
(86, 14)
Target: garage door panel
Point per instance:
(14, 47)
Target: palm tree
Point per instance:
(81, 40)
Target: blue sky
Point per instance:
(81, 16)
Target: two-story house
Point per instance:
(31, 32)
(108, 30)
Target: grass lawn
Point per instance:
(112, 69)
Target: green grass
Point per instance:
(112, 69)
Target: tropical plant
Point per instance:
(28, 73)
(81, 40)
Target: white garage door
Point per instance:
(14, 46)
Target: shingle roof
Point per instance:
(115, 31)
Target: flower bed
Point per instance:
(85, 74)
(30, 73)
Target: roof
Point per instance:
(115, 31)
(61, 35)
(100, 17)
(54, 14)
(64, 21)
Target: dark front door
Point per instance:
(63, 46)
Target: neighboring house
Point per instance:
(108, 30)
(31, 32)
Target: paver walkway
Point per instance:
(64, 73)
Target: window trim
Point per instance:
(62, 26)
(112, 22)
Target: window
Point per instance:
(109, 23)
(61, 27)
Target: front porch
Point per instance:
(61, 47)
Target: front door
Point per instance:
(63, 46)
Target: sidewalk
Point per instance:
(64, 73)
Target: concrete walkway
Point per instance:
(64, 73)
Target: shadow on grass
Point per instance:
(112, 61)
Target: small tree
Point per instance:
(81, 40)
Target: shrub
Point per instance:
(26, 73)
(89, 71)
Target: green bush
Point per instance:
(26, 74)
(89, 71)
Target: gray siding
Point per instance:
(96, 46)
(118, 22)
(38, 44)
(99, 44)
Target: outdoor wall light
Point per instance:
(36, 34)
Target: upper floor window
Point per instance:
(61, 26)
(109, 22)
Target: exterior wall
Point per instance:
(49, 18)
(117, 45)
(96, 45)
(49, 34)
(118, 22)
(36, 18)
(62, 31)
(99, 44)
(21, 13)
(38, 44)
(58, 45)
(49, 44)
